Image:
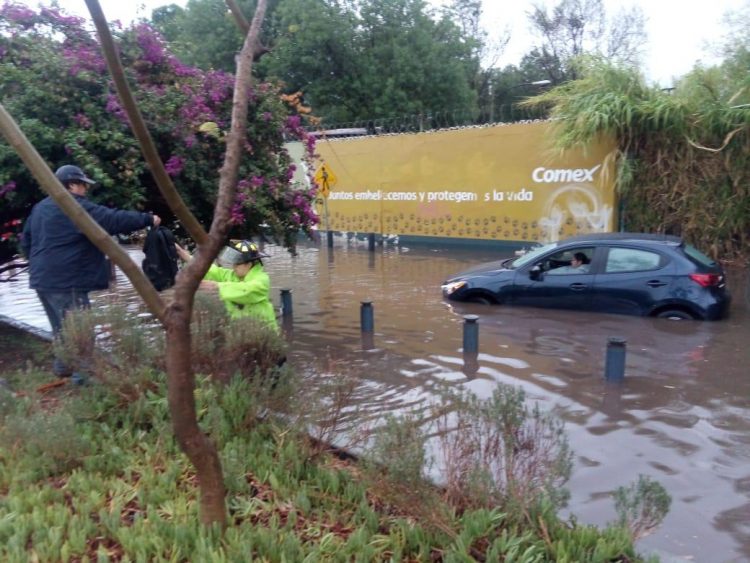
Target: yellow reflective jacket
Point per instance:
(245, 297)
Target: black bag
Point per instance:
(160, 263)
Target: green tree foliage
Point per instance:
(736, 45)
(508, 87)
(684, 157)
(352, 60)
(315, 52)
(415, 64)
(485, 51)
(53, 80)
(203, 33)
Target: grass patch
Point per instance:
(95, 474)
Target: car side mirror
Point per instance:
(535, 273)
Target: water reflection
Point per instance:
(682, 415)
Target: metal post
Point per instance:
(371, 242)
(286, 303)
(287, 329)
(614, 367)
(366, 316)
(471, 364)
(329, 238)
(368, 341)
(471, 334)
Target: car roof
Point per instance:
(657, 238)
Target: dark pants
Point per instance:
(57, 304)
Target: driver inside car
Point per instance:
(579, 264)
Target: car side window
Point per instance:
(631, 260)
(570, 261)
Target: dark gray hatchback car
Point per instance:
(629, 273)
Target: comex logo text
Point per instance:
(543, 175)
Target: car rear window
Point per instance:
(697, 256)
(631, 260)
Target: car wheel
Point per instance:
(675, 315)
(480, 299)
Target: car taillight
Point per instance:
(707, 280)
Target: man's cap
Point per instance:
(71, 173)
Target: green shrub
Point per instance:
(40, 443)
(642, 506)
(114, 346)
(224, 347)
(398, 447)
(498, 451)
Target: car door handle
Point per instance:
(656, 283)
(578, 286)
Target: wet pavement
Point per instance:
(682, 415)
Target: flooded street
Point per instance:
(682, 416)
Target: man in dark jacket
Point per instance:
(64, 266)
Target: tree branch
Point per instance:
(241, 22)
(174, 200)
(238, 131)
(239, 17)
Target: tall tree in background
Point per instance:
(736, 45)
(315, 51)
(204, 33)
(415, 64)
(485, 49)
(573, 28)
(352, 60)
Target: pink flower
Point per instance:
(150, 43)
(82, 120)
(174, 165)
(237, 217)
(293, 122)
(7, 188)
(20, 15)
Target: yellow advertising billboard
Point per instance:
(494, 183)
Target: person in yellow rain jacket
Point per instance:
(245, 288)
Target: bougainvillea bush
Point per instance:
(54, 82)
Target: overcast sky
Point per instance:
(679, 31)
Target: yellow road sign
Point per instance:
(326, 179)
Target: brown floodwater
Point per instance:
(682, 415)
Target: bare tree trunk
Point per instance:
(198, 447)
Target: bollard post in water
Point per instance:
(329, 238)
(371, 242)
(368, 341)
(614, 366)
(366, 316)
(471, 334)
(286, 303)
(471, 364)
(287, 329)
